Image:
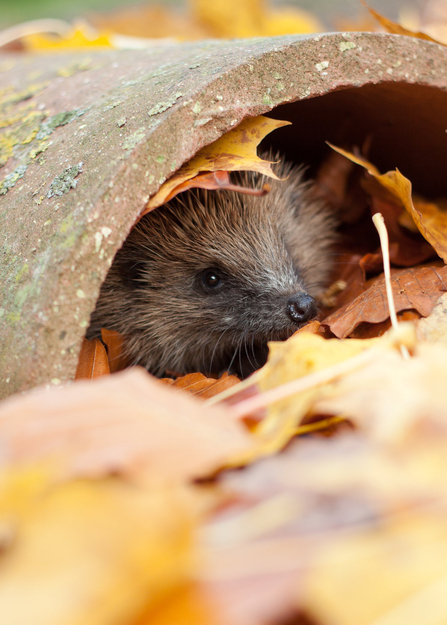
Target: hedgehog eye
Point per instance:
(211, 279)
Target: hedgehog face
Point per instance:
(204, 282)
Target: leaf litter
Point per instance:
(344, 526)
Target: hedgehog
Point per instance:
(203, 282)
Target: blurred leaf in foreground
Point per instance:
(251, 18)
(89, 552)
(127, 423)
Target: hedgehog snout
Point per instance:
(301, 308)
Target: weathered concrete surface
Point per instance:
(85, 139)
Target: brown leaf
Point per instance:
(93, 360)
(115, 343)
(332, 178)
(127, 422)
(430, 219)
(373, 330)
(417, 288)
(198, 384)
(351, 275)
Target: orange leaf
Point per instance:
(214, 181)
(114, 342)
(397, 29)
(198, 384)
(93, 360)
(234, 151)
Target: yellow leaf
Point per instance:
(235, 151)
(89, 552)
(79, 38)
(291, 21)
(432, 223)
(394, 573)
(428, 217)
(303, 354)
(229, 18)
(251, 18)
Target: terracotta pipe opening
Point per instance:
(404, 124)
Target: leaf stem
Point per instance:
(379, 223)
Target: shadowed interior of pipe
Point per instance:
(405, 124)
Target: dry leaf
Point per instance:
(200, 385)
(216, 181)
(417, 288)
(302, 354)
(405, 250)
(90, 552)
(394, 573)
(190, 605)
(127, 422)
(93, 361)
(220, 19)
(350, 276)
(149, 21)
(374, 330)
(434, 327)
(115, 344)
(393, 399)
(429, 218)
(234, 151)
(397, 29)
(264, 554)
(82, 36)
(251, 18)
(432, 223)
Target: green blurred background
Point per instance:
(12, 12)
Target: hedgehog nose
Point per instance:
(301, 307)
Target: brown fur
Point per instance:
(266, 249)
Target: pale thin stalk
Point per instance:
(379, 223)
(234, 390)
(34, 27)
(251, 405)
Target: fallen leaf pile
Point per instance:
(313, 492)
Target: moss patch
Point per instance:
(65, 181)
